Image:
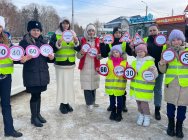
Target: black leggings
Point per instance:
(35, 97)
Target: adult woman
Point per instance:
(155, 51)
(6, 69)
(64, 65)
(35, 71)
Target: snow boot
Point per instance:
(41, 119)
(157, 113)
(109, 108)
(113, 114)
(119, 115)
(34, 118)
(124, 104)
(140, 119)
(146, 120)
(171, 125)
(179, 131)
(68, 107)
(63, 109)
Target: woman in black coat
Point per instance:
(35, 70)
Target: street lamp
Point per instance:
(146, 7)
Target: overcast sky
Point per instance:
(87, 11)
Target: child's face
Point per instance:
(116, 54)
(176, 42)
(91, 32)
(141, 53)
(117, 34)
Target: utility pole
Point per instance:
(172, 12)
(146, 8)
(73, 15)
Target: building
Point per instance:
(122, 22)
(140, 25)
(167, 24)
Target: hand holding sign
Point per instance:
(168, 55)
(45, 50)
(184, 58)
(103, 70)
(108, 39)
(129, 73)
(160, 40)
(26, 58)
(119, 71)
(67, 36)
(16, 53)
(59, 42)
(33, 50)
(148, 76)
(4, 51)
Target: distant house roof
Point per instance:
(119, 19)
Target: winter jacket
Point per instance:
(105, 48)
(89, 77)
(54, 44)
(135, 88)
(154, 50)
(173, 92)
(35, 71)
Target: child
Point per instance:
(126, 49)
(142, 89)
(115, 86)
(88, 75)
(176, 84)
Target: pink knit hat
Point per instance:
(141, 47)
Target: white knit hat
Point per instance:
(63, 18)
(2, 22)
(90, 26)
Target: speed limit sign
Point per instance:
(32, 50)
(129, 73)
(103, 70)
(4, 51)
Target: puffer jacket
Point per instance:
(173, 92)
(89, 77)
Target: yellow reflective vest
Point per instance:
(67, 51)
(175, 68)
(164, 46)
(123, 47)
(142, 89)
(115, 85)
(6, 66)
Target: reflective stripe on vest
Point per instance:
(66, 51)
(176, 69)
(115, 85)
(123, 47)
(6, 66)
(141, 88)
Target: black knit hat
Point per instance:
(34, 24)
(117, 29)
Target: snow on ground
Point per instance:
(81, 124)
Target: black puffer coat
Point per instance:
(35, 71)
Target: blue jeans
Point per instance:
(113, 101)
(5, 90)
(181, 111)
(158, 90)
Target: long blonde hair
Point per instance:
(4, 38)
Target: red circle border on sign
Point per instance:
(8, 53)
(84, 44)
(123, 71)
(147, 80)
(125, 77)
(156, 41)
(71, 33)
(90, 55)
(168, 50)
(180, 58)
(101, 73)
(111, 36)
(48, 46)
